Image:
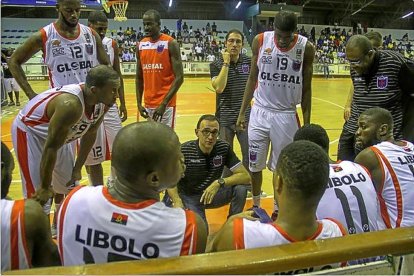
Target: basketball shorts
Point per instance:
(11, 84)
(269, 128)
(168, 118)
(105, 136)
(29, 150)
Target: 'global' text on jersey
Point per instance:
(73, 66)
(150, 66)
(280, 77)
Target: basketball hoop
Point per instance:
(119, 7)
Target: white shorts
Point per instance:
(167, 118)
(105, 136)
(29, 150)
(269, 127)
(11, 85)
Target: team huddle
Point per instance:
(78, 122)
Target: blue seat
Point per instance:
(6, 31)
(12, 36)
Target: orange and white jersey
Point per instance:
(109, 46)
(157, 70)
(68, 60)
(397, 190)
(14, 251)
(94, 227)
(33, 117)
(350, 198)
(280, 80)
(254, 234)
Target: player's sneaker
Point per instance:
(11, 103)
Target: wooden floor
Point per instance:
(194, 100)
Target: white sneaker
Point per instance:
(53, 230)
(263, 194)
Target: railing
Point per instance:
(261, 260)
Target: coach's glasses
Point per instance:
(206, 133)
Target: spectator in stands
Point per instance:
(214, 29)
(183, 56)
(166, 30)
(390, 162)
(298, 190)
(211, 57)
(185, 26)
(202, 186)
(179, 23)
(25, 230)
(371, 73)
(199, 52)
(208, 28)
(126, 55)
(147, 160)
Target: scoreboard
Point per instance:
(85, 4)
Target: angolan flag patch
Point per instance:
(119, 218)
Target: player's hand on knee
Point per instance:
(143, 111)
(123, 114)
(210, 192)
(43, 195)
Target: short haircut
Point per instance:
(154, 14)
(286, 21)
(101, 75)
(361, 42)
(207, 117)
(141, 148)
(380, 116)
(314, 133)
(304, 168)
(234, 31)
(375, 38)
(6, 161)
(97, 16)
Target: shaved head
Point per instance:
(143, 148)
(360, 42)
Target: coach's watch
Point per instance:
(221, 181)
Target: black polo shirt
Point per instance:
(229, 102)
(201, 169)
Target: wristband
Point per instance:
(225, 64)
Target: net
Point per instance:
(119, 8)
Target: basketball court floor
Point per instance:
(195, 99)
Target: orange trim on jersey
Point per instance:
(113, 43)
(138, 205)
(190, 234)
(366, 170)
(50, 77)
(61, 217)
(44, 39)
(107, 151)
(65, 37)
(22, 157)
(295, 40)
(17, 208)
(44, 118)
(23, 235)
(297, 119)
(260, 40)
(396, 184)
(291, 239)
(238, 233)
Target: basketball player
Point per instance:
(159, 72)
(132, 223)
(43, 131)
(391, 164)
(298, 190)
(102, 148)
(70, 49)
(282, 69)
(25, 231)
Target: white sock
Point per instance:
(47, 207)
(256, 200)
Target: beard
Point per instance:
(72, 25)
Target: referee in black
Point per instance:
(381, 78)
(229, 74)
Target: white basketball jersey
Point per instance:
(397, 191)
(280, 80)
(68, 60)
(98, 229)
(33, 117)
(350, 198)
(14, 252)
(108, 44)
(253, 234)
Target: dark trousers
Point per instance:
(235, 195)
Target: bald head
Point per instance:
(360, 42)
(101, 75)
(375, 38)
(142, 148)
